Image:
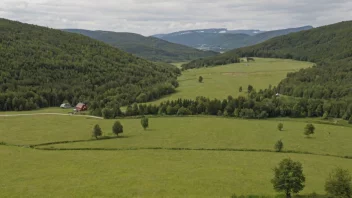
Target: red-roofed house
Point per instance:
(81, 107)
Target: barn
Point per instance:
(81, 107)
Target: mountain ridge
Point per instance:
(150, 48)
(222, 40)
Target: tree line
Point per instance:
(257, 105)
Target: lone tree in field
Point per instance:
(280, 126)
(279, 146)
(309, 130)
(117, 128)
(145, 123)
(97, 131)
(200, 79)
(240, 89)
(250, 88)
(339, 184)
(288, 177)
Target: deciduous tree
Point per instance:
(97, 131)
(288, 177)
(117, 128)
(339, 184)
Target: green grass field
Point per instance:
(220, 82)
(216, 156)
(159, 173)
(198, 132)
(34, 173)
(44, 110)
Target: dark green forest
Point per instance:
(330, 47)
(150, 48)
(42, 67)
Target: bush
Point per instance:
(200, 79)
(145, 123)
(280, 126)
(184, 111)
(309, 129)
(279, 146)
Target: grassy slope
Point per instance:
(150, 48)
(32, 173)
(219, 82)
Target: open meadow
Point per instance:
(222, 81)
(150, 163)
(150, 173)
(194, 156)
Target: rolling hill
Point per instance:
(224, 40)
(328, 46)
(42, 67)
(150, 48)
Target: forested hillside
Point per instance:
(150, 48)
(329, 46)
(42, 67)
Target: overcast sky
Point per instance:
(162, 16)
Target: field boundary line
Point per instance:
(61, 114)
(190, 149)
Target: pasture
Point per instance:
(195, 156)
(222, 81)
(150, 173)
(153, 169)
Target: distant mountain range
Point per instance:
(222, 40)
(150, 48)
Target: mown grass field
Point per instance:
(220, 82)
(161, 173)
(197, 132)
(149, 173)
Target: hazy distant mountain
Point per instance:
(150, 48)
(223, 39)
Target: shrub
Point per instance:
(280, 126)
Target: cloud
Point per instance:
(162, 16)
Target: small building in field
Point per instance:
(65, 106)
(81, 107)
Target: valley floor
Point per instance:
(147, 164)
(197, 156)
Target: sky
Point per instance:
(149, 17)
